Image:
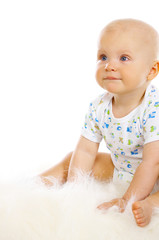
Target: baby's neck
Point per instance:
(124, 104)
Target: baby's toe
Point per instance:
(136, 205)
(140, 220)
(142, 224)
(139, 215)
(137, 208)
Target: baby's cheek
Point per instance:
(99, 72)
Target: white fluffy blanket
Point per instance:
(29, 210)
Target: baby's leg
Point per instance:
(102, 170)
(59, 171)
(142, 210)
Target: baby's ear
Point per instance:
(154, 71)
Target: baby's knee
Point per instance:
(66, 160)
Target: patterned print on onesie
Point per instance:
(126, 136)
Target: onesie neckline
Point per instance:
(133, 112)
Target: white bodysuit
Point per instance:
(126, 136)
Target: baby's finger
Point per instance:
(105, 205)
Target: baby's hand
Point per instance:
(120, 202)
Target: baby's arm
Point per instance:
(146, 174)
(144, 179)
(83, 157)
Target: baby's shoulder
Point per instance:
(152, 97)
(151, 102)
(99, 105)
(102, 100)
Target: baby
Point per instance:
(126, 116)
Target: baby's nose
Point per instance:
(110, 67)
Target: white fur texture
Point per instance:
(29, 210)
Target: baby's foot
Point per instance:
(142, 211)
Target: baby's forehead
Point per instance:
(138, 31)
(129, 25)
(128, 29)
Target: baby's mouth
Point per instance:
(111, 78)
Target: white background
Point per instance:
(47, 75)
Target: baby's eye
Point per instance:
(103, 58)
(124, 58)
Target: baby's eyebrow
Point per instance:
(100, 51)
(126, 51)
(119, 53)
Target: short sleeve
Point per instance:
(151, 123)
(91, 129)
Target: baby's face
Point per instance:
(123, 61)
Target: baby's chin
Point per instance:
(112, 86)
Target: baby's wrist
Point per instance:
(125, 198)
